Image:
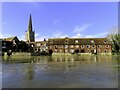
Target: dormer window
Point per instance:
(66, 41)
(92, 41)
(76, 41)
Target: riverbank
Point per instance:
(81, 54)
(54, 54)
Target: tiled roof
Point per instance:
(10, 38)
(71, 41)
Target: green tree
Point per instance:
(114, 38)
(116, 42)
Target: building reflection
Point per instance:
(30, 71)
(46, 59)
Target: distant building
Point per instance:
(30, 34)
(10, 43)
(38, 46)
(56, 45)
(79, 45)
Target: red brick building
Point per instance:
(79, 45)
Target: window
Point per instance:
(61, 46)
(71, 46)
(66, 46)
(88, 50)
(71, 51)
(93, 46)
(98, 46)
(107, 46)
(55, 50)
(105, 50)
(82, 46)
(105, 41)
(60, 50)
(31, 45)
(77, 46)
(66, 42)
(38, 49)
(55, 46)
(66, 51)
(76, 41)
(92, 41)
(88, 46)
(38, 44)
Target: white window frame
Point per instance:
(98, 46)
(107, 46)
(66, 46)
(82, 46)
(77, 46)
(88, 46)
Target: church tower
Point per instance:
(30, 34)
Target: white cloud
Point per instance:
(78, 35)
(79, 29)
(101, 34)
(58, 34)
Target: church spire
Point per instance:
(30, 34)
(30, 24)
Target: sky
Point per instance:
(59, 19)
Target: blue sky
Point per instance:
(60, 19)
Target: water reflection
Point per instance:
(61, 71)
(30, 71)
(32, 59)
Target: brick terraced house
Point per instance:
(79, 45)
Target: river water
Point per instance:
(92, 71)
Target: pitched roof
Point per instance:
(10, 38)
(72, 41)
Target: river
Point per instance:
(86, 71)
